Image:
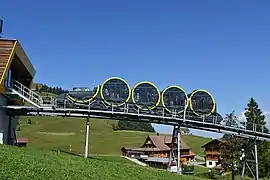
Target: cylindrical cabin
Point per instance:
(202, 103)
(82, 95)
(174, 98)
(146, 95)
(116, 91)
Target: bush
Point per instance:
(29, 121)
(132, 125)
(212, 174)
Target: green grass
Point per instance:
(59, 133)
(195, 143)
(25, 163)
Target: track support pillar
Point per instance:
(87, 138)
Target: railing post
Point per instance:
(163, 112)
(65, 105)
(185, 110)
(203, 118)
(127, 107)
(89, 106)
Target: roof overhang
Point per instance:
(24, 59)
(20, 53)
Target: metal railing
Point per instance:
(130, 110)
(26, 92)
(161, 113)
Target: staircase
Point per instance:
(25, 93)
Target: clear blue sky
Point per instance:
(220, 46)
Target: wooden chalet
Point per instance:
(155, 151)
(212, 153)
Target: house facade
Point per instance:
(212, 153)
(155, 151)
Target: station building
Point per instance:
(15, 69)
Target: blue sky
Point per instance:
(220, 46)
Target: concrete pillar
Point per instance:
(8, 124)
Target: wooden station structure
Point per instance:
(14, 65)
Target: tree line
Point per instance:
(134, 125)
(45, 88)
(140, 126)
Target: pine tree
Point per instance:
(231, 119)
(37, 89)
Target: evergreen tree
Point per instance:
(231, 119)
(254, 114)
(231, 148)
(37, 87)
(54, 90)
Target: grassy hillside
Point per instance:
(21, 163)
(57, 132)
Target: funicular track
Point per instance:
(48, 106)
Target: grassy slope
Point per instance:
(42, 134)
(20, 163)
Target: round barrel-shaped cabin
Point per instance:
(82, 95)
(146, 95)
(174, 98)
(202, 103)
(115, 91)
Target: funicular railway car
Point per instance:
(115, 92)
(203, 105)
(146, 98)
(174, 99)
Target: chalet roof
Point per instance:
(214, 140)
(161, 141)
(142, 149)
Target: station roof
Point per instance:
(10, 48)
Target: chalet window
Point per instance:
(210, 163)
